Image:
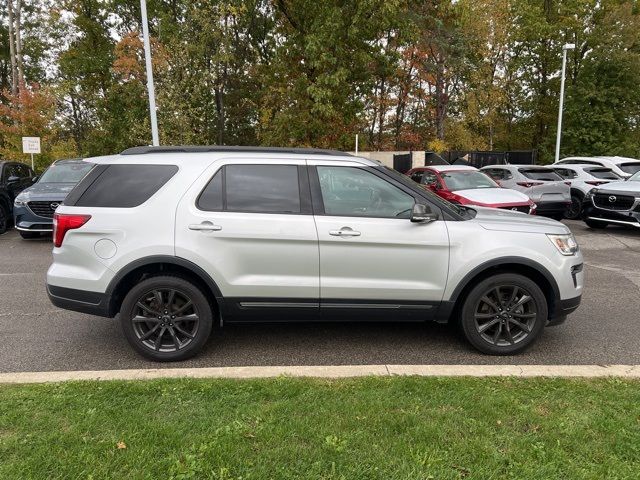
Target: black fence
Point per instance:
(480, 159)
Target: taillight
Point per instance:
(530, 184)
(595, 182)
(63, 222)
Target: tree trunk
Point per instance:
(12, 50)
(18, 15)
(441, 102)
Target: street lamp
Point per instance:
(567, 46)
(150, 89)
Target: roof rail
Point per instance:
(234, 149)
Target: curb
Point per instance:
(338, 371)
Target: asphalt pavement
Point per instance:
(605, 330)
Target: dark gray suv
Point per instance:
(33, 208)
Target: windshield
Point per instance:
(65, 172)
(544, 174)
(632, 167)
(434, 198)
(467, 179)
(634, 178)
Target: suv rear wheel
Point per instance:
(4, 219)
(166, 318)
(504, 314)
(575, 209)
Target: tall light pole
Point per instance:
(567, 47)
(150, 89)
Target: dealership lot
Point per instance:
(39, 337)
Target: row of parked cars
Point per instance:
(601, 190)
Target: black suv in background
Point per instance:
(14, 177)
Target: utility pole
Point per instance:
(568, 46)
(150, 88)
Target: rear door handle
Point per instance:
(205, 227)
(344, 232)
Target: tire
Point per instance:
(28, 235)
(596, 224)
(4, 219)
(498, 329)
(150, 322)
(575, 210)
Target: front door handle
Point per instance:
(344, 232)
(205, 227)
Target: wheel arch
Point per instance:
(577, 192)
(523, 266)
(158, 265)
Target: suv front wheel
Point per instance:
(166, 318)
(504, 314)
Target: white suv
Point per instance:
(175, 239)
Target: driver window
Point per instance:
(430, 178)
(354, 192)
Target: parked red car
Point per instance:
(467, 185)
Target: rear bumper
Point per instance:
(552, 208)
(93, 303)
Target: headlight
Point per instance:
(19, 202)
(591, 193)
(565, 243)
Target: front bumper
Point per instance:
(93, 303)
(619, 217)
(27, 221)
(562, 309)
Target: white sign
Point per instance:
(30, 144)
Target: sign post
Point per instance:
(31, 145)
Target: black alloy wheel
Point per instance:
(504, 314)
(166, 318)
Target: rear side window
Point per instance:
(120, 186)
(253, 189)
(631, 167)
(541, 174)
(603, 173)
(566, 173)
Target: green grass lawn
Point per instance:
(367, 428)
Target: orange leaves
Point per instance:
(129, 62)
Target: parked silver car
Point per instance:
(177, 239)
(545, 187)
(582, 179)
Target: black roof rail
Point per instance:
(234, 149)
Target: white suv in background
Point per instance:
(175, 239)
(582, 179)
(623, 166)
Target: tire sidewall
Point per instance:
(4, 219)
(467, 319)
(198, 298)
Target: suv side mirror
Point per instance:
(422, 214)
(35, 179)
